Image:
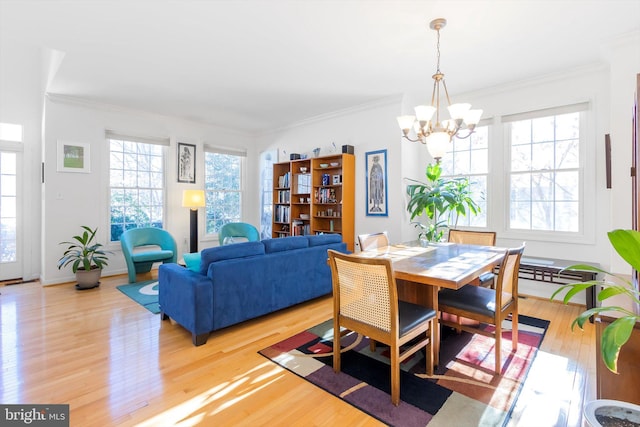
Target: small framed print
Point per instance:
(74, 157)
(186, 163)
(376, 180)
(337, 179)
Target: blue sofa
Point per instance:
(246, 280)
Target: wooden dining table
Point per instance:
(422, 269)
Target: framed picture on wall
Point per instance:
(376, 183)
(186, 163)
(74, 157)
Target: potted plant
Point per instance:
(627, 244)
(442, 201)
(87, 258)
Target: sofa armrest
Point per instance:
(186, 297)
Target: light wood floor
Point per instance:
(115, 363)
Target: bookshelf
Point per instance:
(315, 196)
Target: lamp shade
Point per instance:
(437, 144)
(193, 199)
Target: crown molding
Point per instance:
(380, 102)
(84, 102)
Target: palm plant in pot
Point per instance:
(441, 200)
(86, 256)
(627, 244)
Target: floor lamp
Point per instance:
(193, 199)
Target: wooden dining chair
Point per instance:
(487, 306)
(483, 238)
(365, 300)
(372, 241)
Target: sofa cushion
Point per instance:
(192, 261)
(324, 239)
(285, 244)
(218, 253)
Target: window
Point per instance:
(469, 158)
(8, 207)
(136, 184)
(10, 132)
(223, 187)
(545, 170)
(267, 159)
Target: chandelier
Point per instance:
(438, 134)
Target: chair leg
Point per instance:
(514, 330)
(498, 338)
(429, 350)
(372, 345)
(395, 374)
(336, 346)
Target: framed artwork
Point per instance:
(376, 183)
(74, 157)
(186, 163)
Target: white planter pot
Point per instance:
(88, 279)
(598, 412)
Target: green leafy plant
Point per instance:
(627, 244)
(441, 200)
(83, 253)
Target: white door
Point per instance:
(10, 259)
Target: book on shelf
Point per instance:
(284, 196)
(282, 213)
(283, 180)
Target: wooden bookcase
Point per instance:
(315, 196)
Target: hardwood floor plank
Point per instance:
(116, 363)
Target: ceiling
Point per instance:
(258, 65)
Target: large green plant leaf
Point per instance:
(614, 336)
(627, 245)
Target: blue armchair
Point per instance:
(142, 261)
(238, 229)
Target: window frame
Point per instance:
(242, 154)
(488, 123)
(164, 144)
(586, 177)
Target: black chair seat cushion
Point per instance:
(475, 299)
(411, 315)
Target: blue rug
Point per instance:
(144, 293)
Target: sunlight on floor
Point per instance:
(548, 392)
(9, 380)
(215, 400)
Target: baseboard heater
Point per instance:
(549, 270)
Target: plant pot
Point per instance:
(88, 279)
(604, 413)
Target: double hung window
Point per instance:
(545, 179)
(223, 170)
(136, 181)
(469, 158)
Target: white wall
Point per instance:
(609, 90)
(624, 55)
(74, 199)
(21, 91)
(368, 128)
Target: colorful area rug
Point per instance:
(144, 293)
(464, 391)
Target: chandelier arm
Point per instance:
(420, 140)
(471, 132)
(446, 92)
